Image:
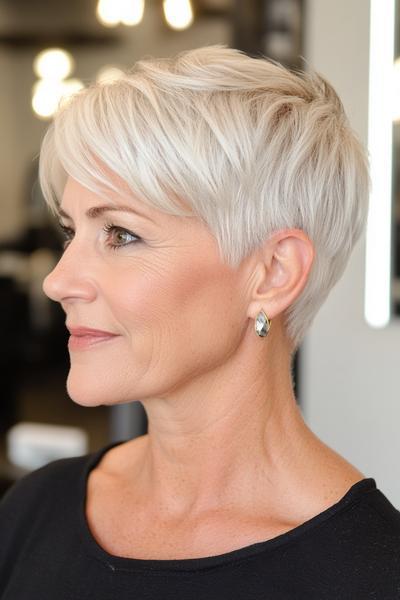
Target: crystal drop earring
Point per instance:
(262, 324)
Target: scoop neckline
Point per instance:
(121, 563)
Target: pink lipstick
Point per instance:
(83, 338)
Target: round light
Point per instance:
(131, 11)
(178, 13)
(108, 12)
(45, 97)
(48, 94)
(53, 63)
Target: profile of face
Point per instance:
(155, 282)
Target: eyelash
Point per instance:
(107, 228)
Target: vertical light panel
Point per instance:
(380, 133)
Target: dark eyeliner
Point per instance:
(67, 233)
(110, 228)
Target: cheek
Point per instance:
(178, 322)
(195, 311)
(186, 311)
(213, 314)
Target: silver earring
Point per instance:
(262, 324)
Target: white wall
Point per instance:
(351, 372)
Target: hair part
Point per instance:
(247, 145)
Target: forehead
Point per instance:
(76, 192)
(78, 198)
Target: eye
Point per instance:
(119, 237)
(67, 233)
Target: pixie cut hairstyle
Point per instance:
(242, 143)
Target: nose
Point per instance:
(71, 279)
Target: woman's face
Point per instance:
(154, 281)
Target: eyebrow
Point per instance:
(96, 211)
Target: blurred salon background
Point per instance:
(347, 372)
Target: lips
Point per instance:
(82, 338)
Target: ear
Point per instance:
(281, 272)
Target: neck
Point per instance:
(239, 444)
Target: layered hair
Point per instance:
(243, 143)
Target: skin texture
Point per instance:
(226, 442)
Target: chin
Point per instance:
(81, 392)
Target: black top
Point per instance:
(350, 551)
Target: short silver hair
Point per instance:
(248, 145)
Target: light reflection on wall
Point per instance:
(377, 303)
(396, 170)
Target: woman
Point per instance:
(209, 202)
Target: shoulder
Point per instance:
(383, 512)
(37, 511)
(368, 525)
(382, 519)
(37, 501)
(364, 548)
(55, 470)
(59, 479)
(351, 550)
(36, 488)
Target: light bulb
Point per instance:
(131, 11)
(48, 94)
(108, 12)
(178, 13)
(53, 63)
